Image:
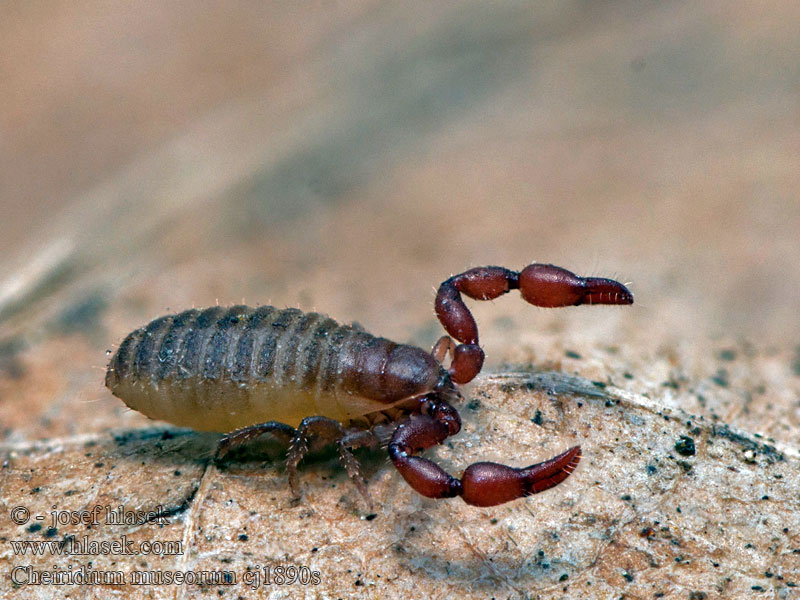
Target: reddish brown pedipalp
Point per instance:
(489, 484)
(539, 284)
(483, 483)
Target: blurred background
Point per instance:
(347, 157)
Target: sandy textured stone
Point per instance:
(641, 516)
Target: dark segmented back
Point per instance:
(238, 364)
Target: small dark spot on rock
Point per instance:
(563, 577)
(82, 315)
(314, 549)
(36, 490)
(599, 384)
(10, 364)
(796, 361)
(685, 446)
(359, 583)
(474, 404)
(51, 532)
(693, 595)
(757, 588)
(651, 469)
(99, 464)
(176, 473)
(727, 354)
(627, 375)
(34, 527)
(626, 497)
(572, 354)
(721, 378)
(370, 516)
(493, 521)
(243, 537)
(627, 576)
(765, 497)
(537, 418)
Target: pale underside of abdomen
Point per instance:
(225, 406)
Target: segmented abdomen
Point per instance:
(219, 369)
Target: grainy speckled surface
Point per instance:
(346, 159)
